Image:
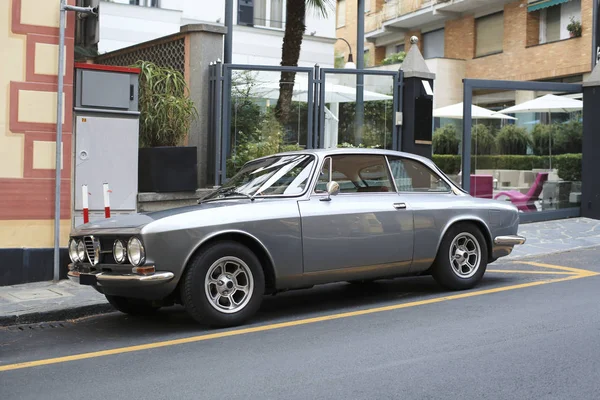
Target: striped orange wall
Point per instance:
(29, 42)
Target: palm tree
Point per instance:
(290, 53)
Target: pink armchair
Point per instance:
(525, 202)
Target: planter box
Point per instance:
(167, 169)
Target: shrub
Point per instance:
(395, 58)
(512, 140)
(448, 163)
(569, 166)
(482, 140)
(568, 138)
(445, 140)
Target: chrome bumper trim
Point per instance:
(511, 240)
(108, 279)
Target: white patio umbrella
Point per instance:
(455, 111)
(547, 104)
(334, 93)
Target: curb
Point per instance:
(56, 315)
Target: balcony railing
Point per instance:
(393, 9)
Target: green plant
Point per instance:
(569, 137)
(574, 28)
(166, 110)
(448, 163)
(569, 166)
(512, 140)
(445, 140)
(482, 140)
(267, 139)
(339, 60)
(395, 58)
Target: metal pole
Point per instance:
(595, 33)
(229, 35)
(360, 65)
(466, 137)
(59, 113)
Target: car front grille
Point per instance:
(89, 249)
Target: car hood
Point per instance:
(133, 223)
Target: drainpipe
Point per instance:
(229, 35)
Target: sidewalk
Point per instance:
(47, 301)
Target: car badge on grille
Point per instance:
(92, 249)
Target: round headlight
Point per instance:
(73, 251)
(119, 251)
(135, 251)
(81, 251)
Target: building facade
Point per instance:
(257, 34)
(29, 39)
(493, 39)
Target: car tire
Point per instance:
(132, 306)
(462, 257)
(223, 286)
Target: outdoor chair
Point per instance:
(526, 202)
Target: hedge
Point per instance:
(568, 165)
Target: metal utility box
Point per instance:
(106, 135)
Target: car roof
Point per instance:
(352, 150)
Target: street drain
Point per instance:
(38, 327)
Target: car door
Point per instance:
(365, 225)
(432, 202)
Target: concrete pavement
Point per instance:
(48, 301)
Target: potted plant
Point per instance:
(574, 28)
(166, 112)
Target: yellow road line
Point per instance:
(577, 271)
(519, 271)
(262, 328)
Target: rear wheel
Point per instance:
(132, 306)
(462, 257)
(223, 286)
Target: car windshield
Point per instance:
(272, 176)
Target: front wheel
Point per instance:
(223, 286)
(462, 257)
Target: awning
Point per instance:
(538, 5)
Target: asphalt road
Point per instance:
(527, 333)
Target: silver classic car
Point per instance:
(290, 221)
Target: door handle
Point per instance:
(400, 206)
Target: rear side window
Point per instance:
(414, 176)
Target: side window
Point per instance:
(357, 173)
(413, 176)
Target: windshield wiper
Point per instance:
(225, 192)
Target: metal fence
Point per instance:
(254, 90)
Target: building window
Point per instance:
(489, 31)
(555, 19)
(433, 44)
(400, 48)
(145, 3)
(268, 13)
(341, 13)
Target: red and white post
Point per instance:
(84, 200)
(106, 200)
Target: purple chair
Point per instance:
(525, 202)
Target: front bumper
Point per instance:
(80, 275)
(510, 240)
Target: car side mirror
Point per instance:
(333, 188)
